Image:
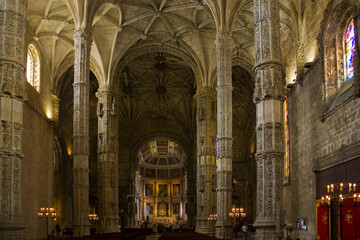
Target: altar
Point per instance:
(166, 221)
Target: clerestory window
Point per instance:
(33, 67)
(349, 47)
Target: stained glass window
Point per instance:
(287, 139)
(349, 42)
(33, 67)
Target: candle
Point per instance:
(332, 187)
(341, 187)
(328, 188)
(350, 187)
(354, 187)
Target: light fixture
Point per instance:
(47, 214)
(338, 196)
(93, 218)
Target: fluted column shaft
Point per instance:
(224, 131)
(81, 133)
(206, 159)
(108, 162)
(269, 96)
(12, 93)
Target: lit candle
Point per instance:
(233, 210)
(341, 198)
(341, 187)
(350, 187)
(332, 187)
(354, 187)
(328, 188)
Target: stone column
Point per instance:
(269, 96)
(108, 162)
(206, 159)
(81, 133)
(224, 131)
(12, 93)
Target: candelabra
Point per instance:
(237, 212)
(93, 218)
(338, 196)
(212, 217)
(47, 215)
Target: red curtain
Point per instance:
(351, 221)
(322, 222)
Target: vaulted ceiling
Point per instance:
(159, 52)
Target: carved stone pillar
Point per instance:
(269, 96)
(224, 131)
(81, 133)
(12, 93)
(108, 162)
(206, 159)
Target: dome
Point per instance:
(161, 158)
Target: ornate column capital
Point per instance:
(223, 38)
(83, 36)
(205, 92)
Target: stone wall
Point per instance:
(37, 168)
(314, 138)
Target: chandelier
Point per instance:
(338, 197)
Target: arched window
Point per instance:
(349, 49)
(33, 67)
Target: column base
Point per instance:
(108, 225)
(11, 231)
(205, 227)
(224, 231)
(80, 231)
(265, 231)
